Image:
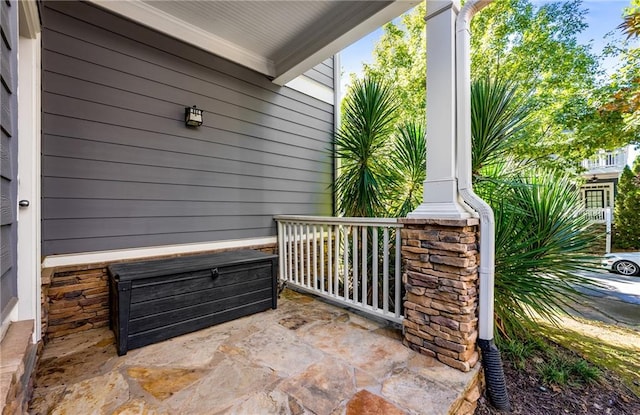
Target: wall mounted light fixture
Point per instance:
(193, 116)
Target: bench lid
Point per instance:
(177, 265)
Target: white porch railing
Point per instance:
(607, 159)
(604, 216)
(598, 215)
(352, 261)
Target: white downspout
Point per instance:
(491, 361)
(465, 188)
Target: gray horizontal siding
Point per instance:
(8, 152)
(120, 169)
(323, 73)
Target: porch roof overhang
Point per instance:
(280, 39)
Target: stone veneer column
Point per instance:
(440, 258)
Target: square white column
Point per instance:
(440, 188)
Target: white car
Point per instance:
(624, 263)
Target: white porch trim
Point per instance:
(85, 258)
(29, 186)
(390, 12)
(312, 88)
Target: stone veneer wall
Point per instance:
(17, 361)
(76, 298)
(468, 401)
(441, 276)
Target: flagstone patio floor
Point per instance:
(306, 357)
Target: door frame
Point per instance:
(29, 162)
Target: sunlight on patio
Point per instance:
(305, 357)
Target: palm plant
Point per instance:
(498, 118)
(541, 245)
(540, 235)
(368, 120)
(631, 22)
(408, 167)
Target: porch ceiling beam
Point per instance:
(306, 58)
(170, 25)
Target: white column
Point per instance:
(440, 188)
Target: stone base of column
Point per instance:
(440, 258)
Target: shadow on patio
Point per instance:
(306, 357)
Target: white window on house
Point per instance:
(594, 199)
(597, 195)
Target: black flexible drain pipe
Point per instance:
(494, 375)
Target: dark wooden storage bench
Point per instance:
(155, 300)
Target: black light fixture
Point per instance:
(193, 116)
(593, 179)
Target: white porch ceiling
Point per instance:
(281, 39)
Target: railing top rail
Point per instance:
(332, 220)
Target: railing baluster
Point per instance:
(398, 281)
(336, 258)
(345, 264)
(365, 277)
(356, 276)
(301, 259)
(289, 250)
(374, 264)
(315, 257)
(281, 251)
(385, 271)
(330, 259)
(322, 258)
(308, 257)
(295, 252)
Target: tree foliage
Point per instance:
(534, 46)
(400, 58)
(623, 90)
(627, 210)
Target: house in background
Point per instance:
(601, 175)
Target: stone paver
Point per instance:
(306, 357)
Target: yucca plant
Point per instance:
(407, 161)
(368, 119)
(542, 240)
(498, 117)
(541, 237)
